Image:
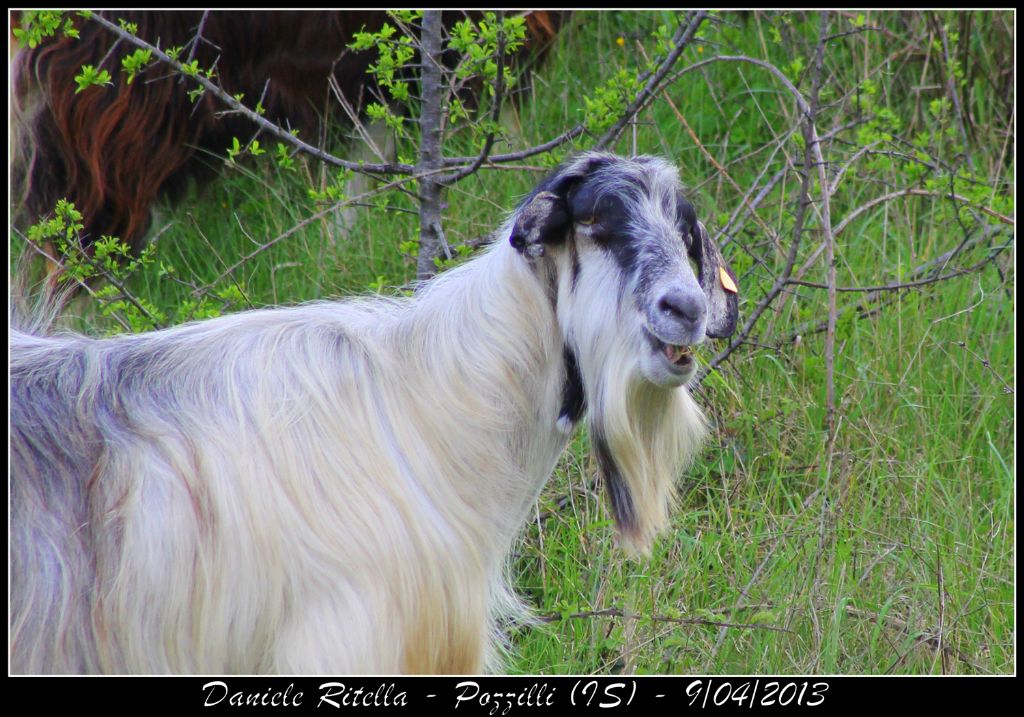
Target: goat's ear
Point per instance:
(718, 282)
(543, 218)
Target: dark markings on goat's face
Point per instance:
(543, 217)
(574, 258)
(686, 220)
(634, 212)
(667, 272)
(603, 218)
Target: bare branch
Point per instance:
(861, 307)
(910, 192)
(812, 154)
(558, 141)
(884, 287)
(901, 626)
(616, 612)
(913, 192)
(751, 208)
(826, 224)
(198, 37)
(1007, 388)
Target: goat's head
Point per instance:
(638, 282)
(634, 255)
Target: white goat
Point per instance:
(335, 488)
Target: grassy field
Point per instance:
(890, 550)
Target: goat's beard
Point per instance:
(644, 436)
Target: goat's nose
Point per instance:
(686, 307)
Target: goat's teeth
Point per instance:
(676, 353)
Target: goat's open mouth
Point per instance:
(678, 359)
(680, 356)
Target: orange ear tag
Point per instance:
(727, 283)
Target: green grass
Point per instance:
(850, 562)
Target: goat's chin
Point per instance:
(657, 369)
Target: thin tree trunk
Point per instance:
(432, 241)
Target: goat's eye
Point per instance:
(586, 222)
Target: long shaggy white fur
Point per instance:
(331, 488)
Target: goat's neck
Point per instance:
(491, 369)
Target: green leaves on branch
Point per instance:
(63, 227)
(129, 27)
(457, 111)
(110, 256)
(662, 37)
(795, 69)
(90, 76)
(35, 25)
(111, 260)
(379, 113)
(609, 101)
(191, 68)
(461, 253)
(114, 256)
(135, 63)
(478, 44)
(335, 191)
(940, 108)
(254, 148)
(392, 56)
(284, 157)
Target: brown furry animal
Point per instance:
(115, 150)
